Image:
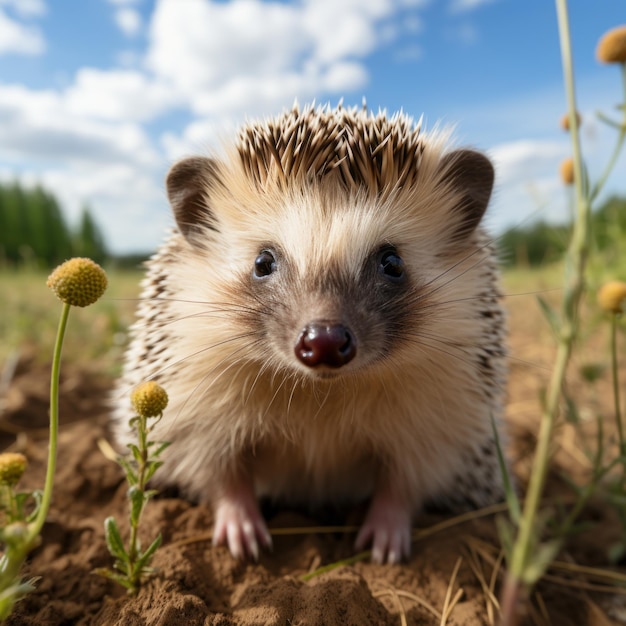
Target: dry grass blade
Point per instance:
(581, 584)
(421, 533)
(450, 602)
(593, 572)
(474, 561)
(276, 532)
(497, 568)
(396, 597)
(411, 596)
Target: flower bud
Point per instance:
(611, 296)
(79, 282)
(149, 399)
(12, 466)
(612, 46)
(567, 171)
(565, 121)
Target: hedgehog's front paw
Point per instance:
(388, 527)
(239, 523)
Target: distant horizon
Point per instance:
(97, 107)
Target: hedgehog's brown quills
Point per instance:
(376, 153)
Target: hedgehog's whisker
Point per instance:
(194, 354)
(220, 305)
(264, 367)
(204, 378)
(437, 304)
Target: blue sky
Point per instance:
(99, 97)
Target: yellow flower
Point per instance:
(567, 171)
(12, 466)
(149, 399)
(612, 46)
(79, 282)
(565, 121)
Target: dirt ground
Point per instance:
(198, 584)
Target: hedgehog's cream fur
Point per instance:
(326, 186)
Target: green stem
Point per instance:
(614, 367)
(133, 551)
(36, 526)
(574, 287)
(618, 145)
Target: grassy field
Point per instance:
(97, 334)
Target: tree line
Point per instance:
(541, 242)
(34, 231)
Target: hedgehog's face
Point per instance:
(337, 327)
(327, 278)
(333, 302)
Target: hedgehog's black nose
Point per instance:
(324, 343)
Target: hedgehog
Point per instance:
(326, 318)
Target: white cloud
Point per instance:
(129, 21)
(19, 38)
(526, 159)
(461, 6)
(218, 61)
(26, 8)
(38, 127)
(118, 95)
(128, 202)
(527, 183)
(258, 56)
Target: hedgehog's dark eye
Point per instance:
(391, 264)
(264, 264)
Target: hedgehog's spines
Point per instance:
(367, 150)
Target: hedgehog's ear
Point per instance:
(189, 183)
(471, 174)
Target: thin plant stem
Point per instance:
(573, 290)
(618, 144)
(614, 367)
(36, 526)
(133, 550)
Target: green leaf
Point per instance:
(118, 578)
(550, 315)
(152, 467)
(607, 120)
(146, 557)
(150, 494)
(114, 539)
(129, 470)
(122, 566)
(512, 500)
(37, 496)
(161, 446)
(506, 533)
(571, 414)
(136, 453)
(543, 555)
(137, 500)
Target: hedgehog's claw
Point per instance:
(239, 524)
(388, 528)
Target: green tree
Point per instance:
(88, 240)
